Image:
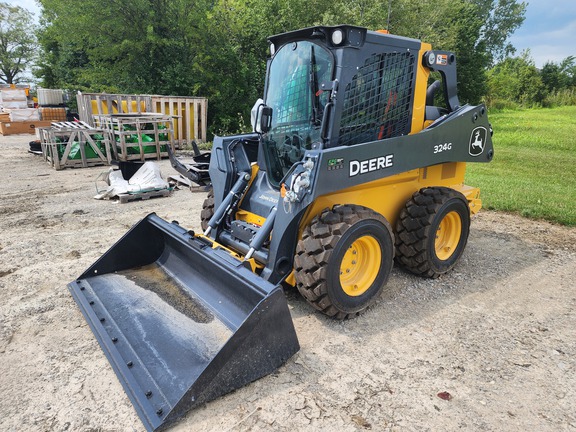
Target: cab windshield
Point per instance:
(293, 93)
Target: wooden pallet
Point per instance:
(67, 125)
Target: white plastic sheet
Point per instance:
(148, 178)
(26, 114)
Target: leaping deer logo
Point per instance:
(477, 141)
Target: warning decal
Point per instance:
(442, 59)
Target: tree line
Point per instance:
(218, 49)
(517, 82)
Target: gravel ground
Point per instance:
(490, 346)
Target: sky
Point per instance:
(549, 30)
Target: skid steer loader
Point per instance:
(351, 166)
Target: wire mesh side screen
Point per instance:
(378, 100)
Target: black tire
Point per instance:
(324, 253)
(35, 146)
(432, 231)
(207, 210)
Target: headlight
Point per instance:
(272, 49)
(337, 37)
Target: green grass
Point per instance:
(534, 168)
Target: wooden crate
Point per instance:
(189, 114)
(138, 137)
(91, 105)
(22, 127)
(75, 145)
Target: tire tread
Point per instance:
(414, 225)
(314, 251)
(207, 210)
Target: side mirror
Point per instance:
(265, 118)
(261, 117)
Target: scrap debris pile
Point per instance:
(146, 183)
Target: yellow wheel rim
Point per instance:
(360, 266)
(448, 235)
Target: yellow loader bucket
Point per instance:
(181, 322)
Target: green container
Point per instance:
(75, 153)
